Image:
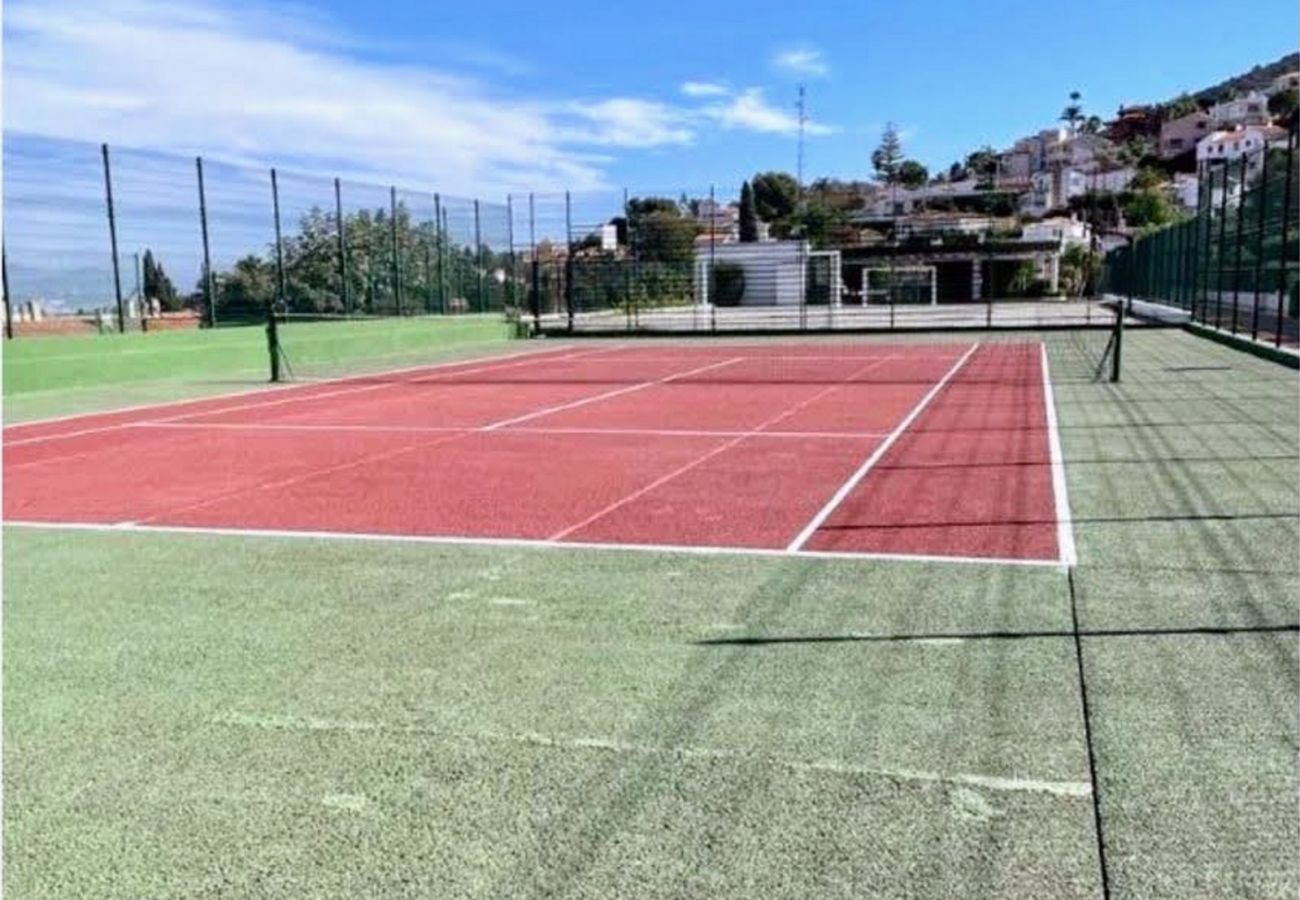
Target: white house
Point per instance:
(1079, 151)
(1054, 189)
(1187, 189)
(776, 272)
(1250, 109)
(1228, 146)
(1058, 229)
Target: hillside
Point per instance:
(1257, 78)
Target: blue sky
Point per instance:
(486, 97)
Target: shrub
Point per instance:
(728, 287)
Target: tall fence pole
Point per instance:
(568, 258)
(1205, 211)
(478, 258)
(1286, 237)
(510, 256)
(627, 271)
(713, 261)
(536, 290)
(428, 270)
(1236, 265)
(112, 239)
(1218, 262)
(4, 280)
(341, 227)
(281, 295)
(396, 264)
(210, 294)
(450, 260)
(1257, 282)
(441, 239)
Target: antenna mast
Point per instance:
(803, 117)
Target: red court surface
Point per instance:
(915, 450)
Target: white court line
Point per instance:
(605, 395)
(504, 362)
(824, 513)
(681, 470)
(526, 543)
(395, 451)
(527, 429)
(1064, 524)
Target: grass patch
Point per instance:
(66, 375)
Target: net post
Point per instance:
(341, 228)
(396, 262)
(279, 242)
(273, 343)
(1261, 224)
(1117, 340)
(4, 278)
(208, 288)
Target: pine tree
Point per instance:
(888, 156)
(748, 215)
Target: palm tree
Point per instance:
(1073, 113)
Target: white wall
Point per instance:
(775, 271)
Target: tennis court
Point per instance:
(856, 615)
(944, 450)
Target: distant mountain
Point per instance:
(1257, 78)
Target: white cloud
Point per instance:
(195, 77)
(704, 89)
(627, 122)
(281, 85)
(802, 61)
(750, 110)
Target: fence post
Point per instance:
(342, 229)
(279, 252)
(713, 256)
(510, 240)
(428, 270)
(449, 260)
(210, 294)
(536, 300)
(478, 258)
(396, 261)
(1204, 211)
(112, 240)
(440, 242)
(1236, 266)
(627, 272)
(4, 279)
(568, 258)
(1223, 229)
(1261, 224)
(1286, 236)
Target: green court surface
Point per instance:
(52, 376)
(190, 715)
